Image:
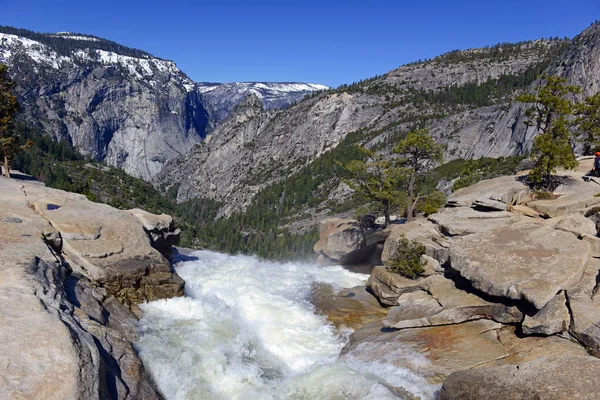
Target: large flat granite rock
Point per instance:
(526, 261)
(552, 378)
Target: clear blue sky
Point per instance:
(320, 41)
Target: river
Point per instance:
(246, 330)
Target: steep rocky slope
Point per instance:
(464, 97)
(118, 104)
(221, 99)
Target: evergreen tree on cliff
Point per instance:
(588, 122)
(549, 113)
(376, 180)
(9, 107)
(417, 149)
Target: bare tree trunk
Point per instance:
(386, 213)
(6, 167)
(410, 206)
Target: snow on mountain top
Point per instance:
(37, 51)
(67, 35)
(263, 86)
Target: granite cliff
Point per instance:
(121, 105)
(464, 97)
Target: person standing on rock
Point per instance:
(596, 169)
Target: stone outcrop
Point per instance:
(387, 286)
(108, 246)
(62, 335)
(553, 318)
(465, 221)
(340, 240)
(495, 194)
(552, 378)
(420, 231)
(456, 306)
(160, 229)
(526, 261)
(578, 225)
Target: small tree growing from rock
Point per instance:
(375, 180)
(417, 149)
(407, 260)
(552, 147)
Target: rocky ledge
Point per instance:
(506, 306)
(71, 273)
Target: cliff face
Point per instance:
(464, 98)
(122, 105)
(221, 99)
(116, 104)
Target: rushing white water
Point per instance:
(247, 331)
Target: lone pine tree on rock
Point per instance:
(418, 150)
(552, 148)
(376, 180)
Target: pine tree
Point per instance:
(588, 122)
(10, 143)
(552, 147)
(417, 150)
(376, 180)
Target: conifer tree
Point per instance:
(588, 122)
(417, 150)
(376, 180)
(549, 112)
(9, 107)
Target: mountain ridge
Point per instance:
(114, 103)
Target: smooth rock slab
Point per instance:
(578, 225)
(505, 189)
(552, 378)
(456, 306)
(526, 261)
(466, 221)
(585, 325)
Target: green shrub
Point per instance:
(542, 195)
(407, 260)
(432, 203)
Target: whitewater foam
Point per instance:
(247, 331)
